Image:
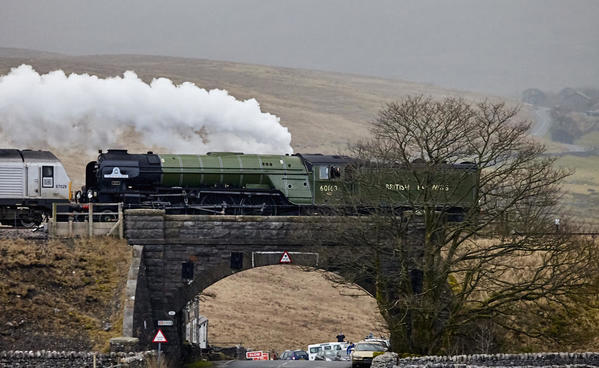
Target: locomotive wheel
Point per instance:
(30, 221)
(220, 203)
(266, 203)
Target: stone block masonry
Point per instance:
(155, 227)
(572, 360)
(72, 359)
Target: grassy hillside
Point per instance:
(61, 295)
(582, 189)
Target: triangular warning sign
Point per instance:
(159, 337)
(285, 258)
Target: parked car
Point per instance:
(294, 355)
(381, 341)
(332, 355)
(325, 348)
(365, 351)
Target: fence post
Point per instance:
(53, 221)
(121, 220)
(91, 219)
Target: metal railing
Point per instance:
(91, 219)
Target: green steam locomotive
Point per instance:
(250, 184)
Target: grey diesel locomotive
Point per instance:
(30, 182)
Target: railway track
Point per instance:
(22, 233)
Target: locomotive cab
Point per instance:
(327, 174)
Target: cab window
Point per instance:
(324, 172)
(335, 172)
(47, 176)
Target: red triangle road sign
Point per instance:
(285, 258)
(159, 337)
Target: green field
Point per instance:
(582, 188)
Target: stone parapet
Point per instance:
(155, 227)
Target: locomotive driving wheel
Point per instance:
(220, 203)
(258, 205)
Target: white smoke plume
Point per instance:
(87, 112)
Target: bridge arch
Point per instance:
(178, 256)
(285, 307)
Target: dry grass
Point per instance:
(283, 307)
(61, 294)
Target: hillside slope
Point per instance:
(61, 295)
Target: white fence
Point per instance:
(98, 219)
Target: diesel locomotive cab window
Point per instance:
(324, 172)
(47, 176)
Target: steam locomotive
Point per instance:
(250, 184)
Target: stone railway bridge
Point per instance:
(178, 256)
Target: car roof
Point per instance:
(380, 342)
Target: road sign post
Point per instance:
(159, 338)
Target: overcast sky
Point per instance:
(501, 46)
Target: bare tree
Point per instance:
(458, 253)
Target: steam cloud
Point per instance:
(88, 112)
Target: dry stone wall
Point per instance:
(573, 360)
(64, 359)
